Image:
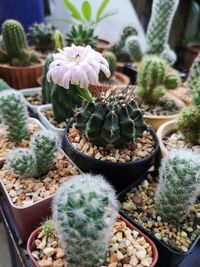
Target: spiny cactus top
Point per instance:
(179, 184)
(84, 216)
(37, 160)
(111, 121)
(14, 114)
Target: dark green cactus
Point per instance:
(111, 121)
(46, 86)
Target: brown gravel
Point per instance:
(6, 145)
(127, 248)
(178, 236)
(176, 140)
(50, 116)
(141, 148)
(24, 192)
(35, 100)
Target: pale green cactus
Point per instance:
(133, 45)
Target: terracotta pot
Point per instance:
(102, 45)
(21, 77)
(45, 48)
(155, 121)
(191, 51)
(34, 235)
(121, 79)
(164, 130)
(39, 80)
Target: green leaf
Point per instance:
(108, 14)
(86, 10)
(101, 8)
(74, 11)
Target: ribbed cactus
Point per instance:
(179, 184)
(194, 74)
(163, 12)
(84, 216)
(4, 85)
(153, 80)
(37, 160)
(46, 86)
(16, 50)
(169, 55)
(134, 48)
(114, 120)
(14, 114)
(112, 62)
(127, 31)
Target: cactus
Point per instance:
(58, 39)
(179, 184)
(114, 120)
(169, 55)
(153, 80)
(48, 228)
(134, 48)
(16, 49)
(84, 216)
(112, 62)
(194, 74)
(4, 85)
(46, 86)
(14, 114)
(127, 31)
(37, 160)
(163, 12)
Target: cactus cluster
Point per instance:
(114, 120)
(179, 184)
(16, 50)
(162, 15)
(14, 114)
(153, 79)
(84, 216)
(112, 62)
(38, 159)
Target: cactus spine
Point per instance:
(84, 217)
(134, 48)
(114, 120)
(179, 184)
(160, 23)
(37, 160)
(153, 80)
(14, 114)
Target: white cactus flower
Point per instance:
(78, 65)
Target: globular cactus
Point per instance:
(127, 31)
(163, 12)
(111, 121)
(46, 86)
(112, 62)
(84, 216)
(179, 184)
(37, 160)
(153, 79)
(169, 55)
(14, 114)
(4, 85)
(133, 45)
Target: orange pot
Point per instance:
(21, 77)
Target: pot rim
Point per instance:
(33, 66)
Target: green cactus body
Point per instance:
(46, 86)
(179, 184)
(111, 121)
(172, 81)
(37, 160)
(14, 114)
(84, 216)
(133, 44)
(127, 31)
(194, 74)
(163, 12)
(4, 85)
(58, 39)
(169, 55)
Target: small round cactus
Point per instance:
(133, 45)
(172, 81)
(84, 215)
(179, 184)
(169, 55)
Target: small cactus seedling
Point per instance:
(14, 114)
(48, 228)
(179, 184)
(37, 160)
(111, 121)
(84, 216)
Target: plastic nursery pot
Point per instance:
(21, 77)
(120, 175)
(168, 257)
(35, 233)
(131, 72)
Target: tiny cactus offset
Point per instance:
(84, 215)
(14, 114)
(179, 184)
(134, 48)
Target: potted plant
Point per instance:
(41, 35)
(31, 176)
(153, 80)
(166, 208)
(185, 131)
(19, 66)
(82, 238)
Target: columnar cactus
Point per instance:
(84, 216)
(114, 120)
(134, 47)
(14, 114)
(37, 160)
(179, 184)
(163, 12)
(153, 79)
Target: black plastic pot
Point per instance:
(131, 72)
(167, 257)
(120, 175)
